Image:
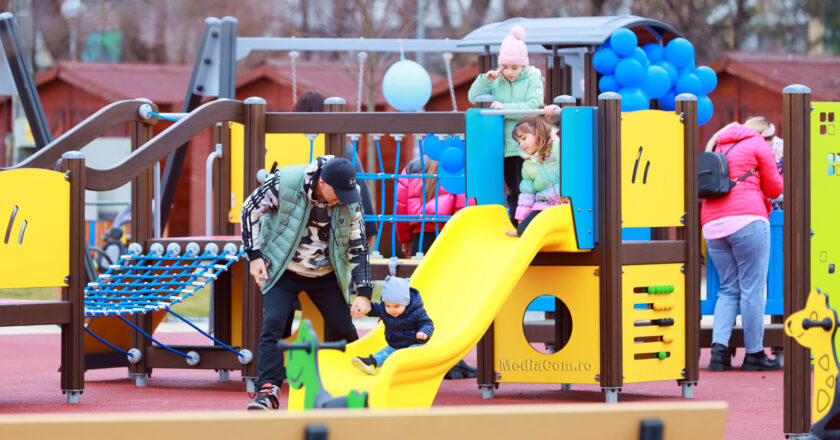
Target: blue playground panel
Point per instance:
(775, 296)
(485, 158)
(578, 163)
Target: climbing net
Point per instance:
(141, 283)
(154, 281)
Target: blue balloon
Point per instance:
(452, 160)
(672, 71)
(655, 52)
(630, 73)
(608, 83)
(708, 79)
(407, 86)
(705, 109)
(455, 183)
(657, 83)
(604, 61)
(679, 52)
(623, 41)
(640, 56)
(668, 101)
(687, 69)
(457, 142)
(432, 146)
(688, 83)
(632, 99)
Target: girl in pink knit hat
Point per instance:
(515, 85)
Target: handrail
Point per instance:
(365, 122)
(91, 128)
(167, 141)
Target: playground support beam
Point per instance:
(254, 160)
(609, 225)
(796, 103)
(690, 234)
(72, 333)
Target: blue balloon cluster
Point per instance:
(407, 86)
(450, 156)
(640, 74)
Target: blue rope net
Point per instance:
(140, 283)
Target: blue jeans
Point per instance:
(741, 260)
(383, 354)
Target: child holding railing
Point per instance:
(516, 85)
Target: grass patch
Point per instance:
(32, 294)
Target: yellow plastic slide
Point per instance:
(464, 281)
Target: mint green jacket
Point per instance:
(525, 92)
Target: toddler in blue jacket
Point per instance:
(405, 319)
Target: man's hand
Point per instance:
(422, 336)
(360, 307)
(492, 74)
(371, 241)
(258, 271)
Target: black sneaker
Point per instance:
(267, 398)
(365, 364)
(759, 362)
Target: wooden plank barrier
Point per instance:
(700, 420)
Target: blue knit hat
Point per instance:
(396, 290)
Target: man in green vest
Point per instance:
(303, 230)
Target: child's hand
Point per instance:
(421, 335)
(492, 74)
(497, 105)
(511, 234)
(549, 109)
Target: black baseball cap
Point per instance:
(340, 174)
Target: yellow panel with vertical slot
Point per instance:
(642, 335)
(283, 148)
(34, 228)
(652, 177)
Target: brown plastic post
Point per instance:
(796, 101)
(254, 160)
(485, 61)
(335, 143)
(222, 302)
(556, 76)
(72, 333)
(609, 223)
(486, 362)
(687, 109)
(142, 229)
(590, 81)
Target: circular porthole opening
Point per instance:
(547, 324)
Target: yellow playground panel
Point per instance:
(652, 177)
(34, 249)
(653, 295)
(283, 149)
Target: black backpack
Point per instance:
(713, 181)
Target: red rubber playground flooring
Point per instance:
(31, 385)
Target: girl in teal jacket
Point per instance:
(540, 186)
(516, 85)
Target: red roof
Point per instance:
(821, 73)
(162, 84)
(329, 78)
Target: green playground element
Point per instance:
(660, 289)
(661, 355)
(825, 187)
(302, 371)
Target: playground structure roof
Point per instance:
(821, 73)
(570, 31)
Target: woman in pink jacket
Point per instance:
(410, 201)
(737, 233)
